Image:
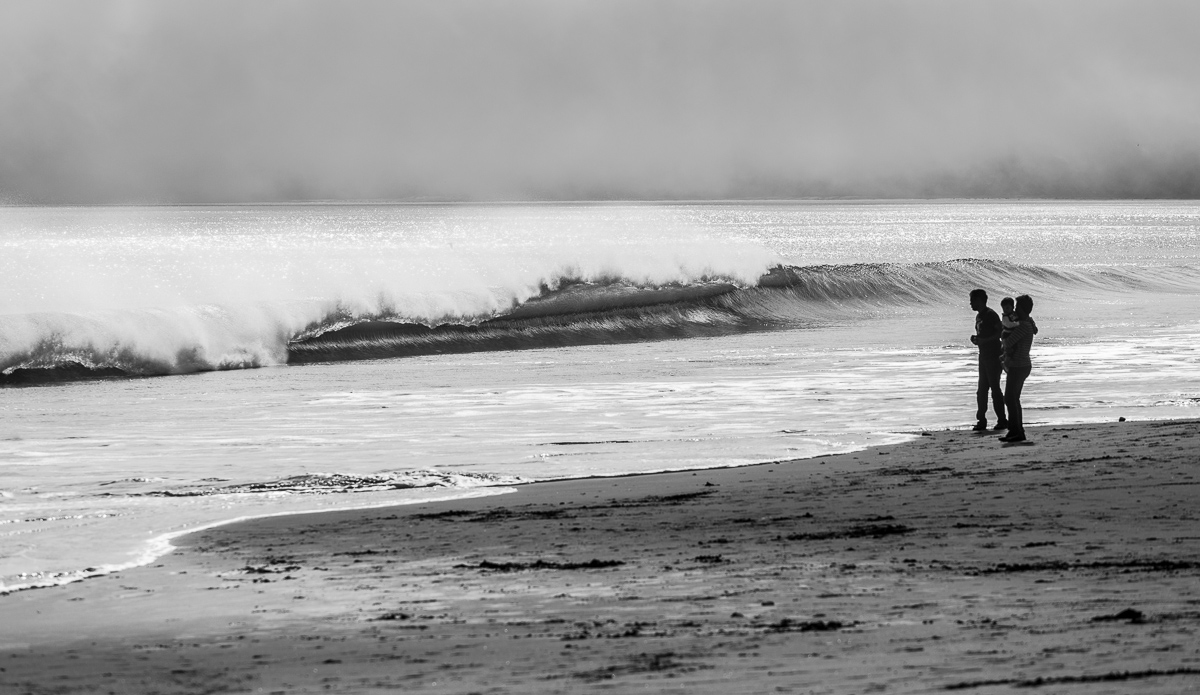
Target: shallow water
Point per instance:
(91, 472)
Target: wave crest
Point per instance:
(566, 311)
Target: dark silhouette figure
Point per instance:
(987, 337)
(1018, 365)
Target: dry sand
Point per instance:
(1068, 565)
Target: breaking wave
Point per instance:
(565, 310)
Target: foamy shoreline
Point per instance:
(163, 544)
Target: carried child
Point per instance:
(1008, 321)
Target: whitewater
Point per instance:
(168, 368)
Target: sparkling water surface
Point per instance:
(84, 466)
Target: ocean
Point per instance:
(164, 369)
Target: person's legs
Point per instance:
(989, 383)
(981, 398)
(998, 404)
(1012, 398)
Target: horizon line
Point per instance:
(601, 201)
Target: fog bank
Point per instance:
(231, 101)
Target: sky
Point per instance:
(238, 101)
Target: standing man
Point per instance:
(987, 337)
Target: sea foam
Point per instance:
(140, 292)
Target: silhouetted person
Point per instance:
(1017, 363)
(987, 337)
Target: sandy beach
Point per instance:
(1069, 564)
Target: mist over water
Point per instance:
(226, 101)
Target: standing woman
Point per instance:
(1018, 364)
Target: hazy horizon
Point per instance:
(135, 101)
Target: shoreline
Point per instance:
(943, 561)
(156, 549)
(162, 545)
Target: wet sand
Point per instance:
(1070, 564)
